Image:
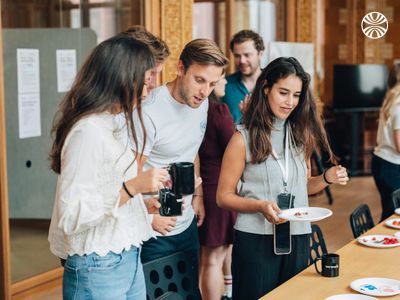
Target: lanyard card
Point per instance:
(285, 200)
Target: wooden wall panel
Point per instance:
(5, 270)
(302, 21)
(346, 43)
(306, 18)
(176, 31)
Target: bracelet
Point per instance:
(126, 190)
(326, 180)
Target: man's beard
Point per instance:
(183, 95)
(249, 74)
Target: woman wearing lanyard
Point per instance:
(266, 162)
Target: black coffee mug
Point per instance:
(330, 265)
(182, 177)
(171, 205)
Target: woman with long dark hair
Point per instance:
(386, 158)
(267, 160)
(100, 219)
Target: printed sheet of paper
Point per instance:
(28, 71)
(29, 115)
(28, 75)
(66, 69)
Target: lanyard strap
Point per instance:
(285, 170)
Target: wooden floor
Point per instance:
(27, 239)
(336, 229)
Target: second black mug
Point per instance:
(330, 265)
(171, 205)
(182, 177)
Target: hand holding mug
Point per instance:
(149, 181)
(162, 224)
(152, 205)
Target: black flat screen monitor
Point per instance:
(359, 86)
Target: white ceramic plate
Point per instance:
(397, 234)
(377, 241)
(396, 224)
(375, 286)
(350, 297)
(305, 214)
(397, 211)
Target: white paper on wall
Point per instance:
(28, 77)
(28, 71)
(29, 115)
(66, 69)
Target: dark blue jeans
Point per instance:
(387, 180)
(187, 241)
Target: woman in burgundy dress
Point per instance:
(216, 233)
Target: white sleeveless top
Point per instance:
(386, 148)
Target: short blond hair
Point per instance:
(203, 52)
(157, 46)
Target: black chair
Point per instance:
(361, 220)
(396, 198)
(317, 244)
(170, 296)
(171, 274)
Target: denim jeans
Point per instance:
(113, 276)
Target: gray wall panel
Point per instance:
(32, 190)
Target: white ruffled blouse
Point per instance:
(95, 160)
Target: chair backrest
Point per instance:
(361, 220)
(170, 296)
(172, 273)
(317, 244)
(396, 198)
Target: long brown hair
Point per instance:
(393, 94)
(305, 122)
(112, 76)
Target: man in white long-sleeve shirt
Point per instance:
(175, 118)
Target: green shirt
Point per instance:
(235, 91)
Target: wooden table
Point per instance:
(356, 261)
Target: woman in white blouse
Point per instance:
(386, 159)
(100, 219)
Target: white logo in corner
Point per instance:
(374, 25)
